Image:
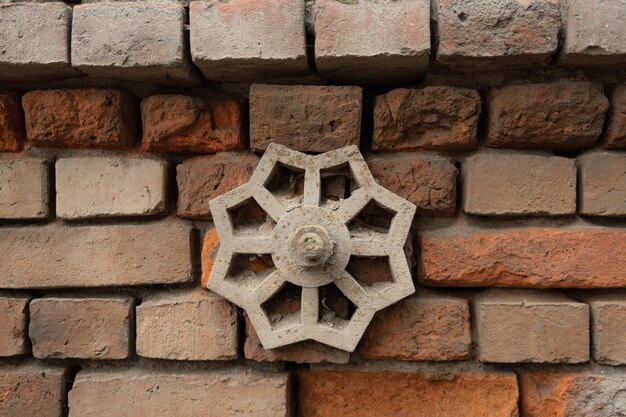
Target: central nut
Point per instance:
(312, 245)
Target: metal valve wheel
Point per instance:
(307, 236)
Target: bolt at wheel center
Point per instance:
(313, 246)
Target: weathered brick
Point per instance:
(144, 392)
(615, 131)
(89, 187)
(429, 182)
(13, 324)
(526, 326)
(57, 255)
(498, 184)
(521, 117)
(308, 351)
(573, 394)
(305, 118)
(24, 188)
(188, 325)
(375, 394)
(204, 178)
(12, 131)
(608, 314)
(86, 118)
(535, 257)
(602, 189)
(490, 35)
(141, 41)
(364, 41)
(35, 41)
(210, 246)
(426, 327)
(239, 40)
(595, 33)
(86, 328)
(32, 389)
(183, 124)
(431, 118)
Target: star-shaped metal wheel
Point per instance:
(307, 238)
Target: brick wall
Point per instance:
(503, 122)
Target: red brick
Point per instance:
(202, 179)
(305, 118)
(486, 36)
(302, 352)
(13, 325)
(525, 326)
(602, 189)
(57, 255)
(24, 188)
(608, 315)
(615, 131)
(210, 246)
(432, 118)
(87, 118)
(426, 327)
(521, 117)
(183, 124)
(187, 325)
(87, 328)
(572, 394)
(506, 184)
(539, 257)
(365, 42)
(139, 392)
(429, 182)
(32, 389)
(12, 132)
(375, 394)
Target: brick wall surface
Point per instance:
(503, 122)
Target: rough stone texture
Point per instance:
(87, 328)
(310, 245)
(577, 257)
(13, 323)
(141, 41)
(34, 40)
(184, 124)
(608, 313)
(525, 326)
(364, 41)
(88, 187)
(521, 117)
(375, 394)
(142, 392)
(503, 184)
(204, 178)
(56, 255)
(239, 40)
(426, 327)
(305, 118)
(569, 394)
(32, 389)
(307, 351)
(429, 182)
(86, 118)
(24, 188)
(432, 118)
(188, 325)
(615, 131)
(594, 34)
(602, 189)
(488, 35)
(12, 132)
